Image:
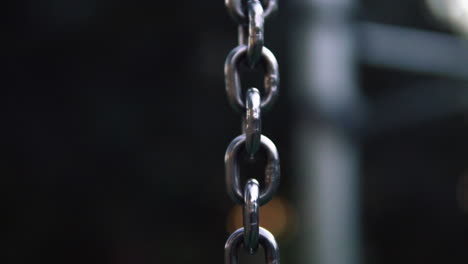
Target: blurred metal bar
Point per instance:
(413, 50)
(323, 76)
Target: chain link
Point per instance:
(233, 83)
(250, 211)
(272, 170)
(252, 125)
(250, 15)
(266, 239)
(237, 10)
(255, 38)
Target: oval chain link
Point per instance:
(233, 83)
(237, 11)
(256, 32)
(250, 211)
(252, 125)
(265, 239)
(250, 16)
(272, 170)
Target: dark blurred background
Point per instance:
(116, 121)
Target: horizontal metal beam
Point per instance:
(413, 50)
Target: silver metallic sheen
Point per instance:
(236, 10)
(256, 32)
(272, 170)
(252, 122)
(250, 16)
(266, 239)
(232, 79)
(250, 214)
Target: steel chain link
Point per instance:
(250, 16)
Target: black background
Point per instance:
(116, 122)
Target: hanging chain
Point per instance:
(250, 16)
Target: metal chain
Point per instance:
(250, 16)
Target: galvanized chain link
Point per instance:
(250, 15)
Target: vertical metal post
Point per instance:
(323, 76)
